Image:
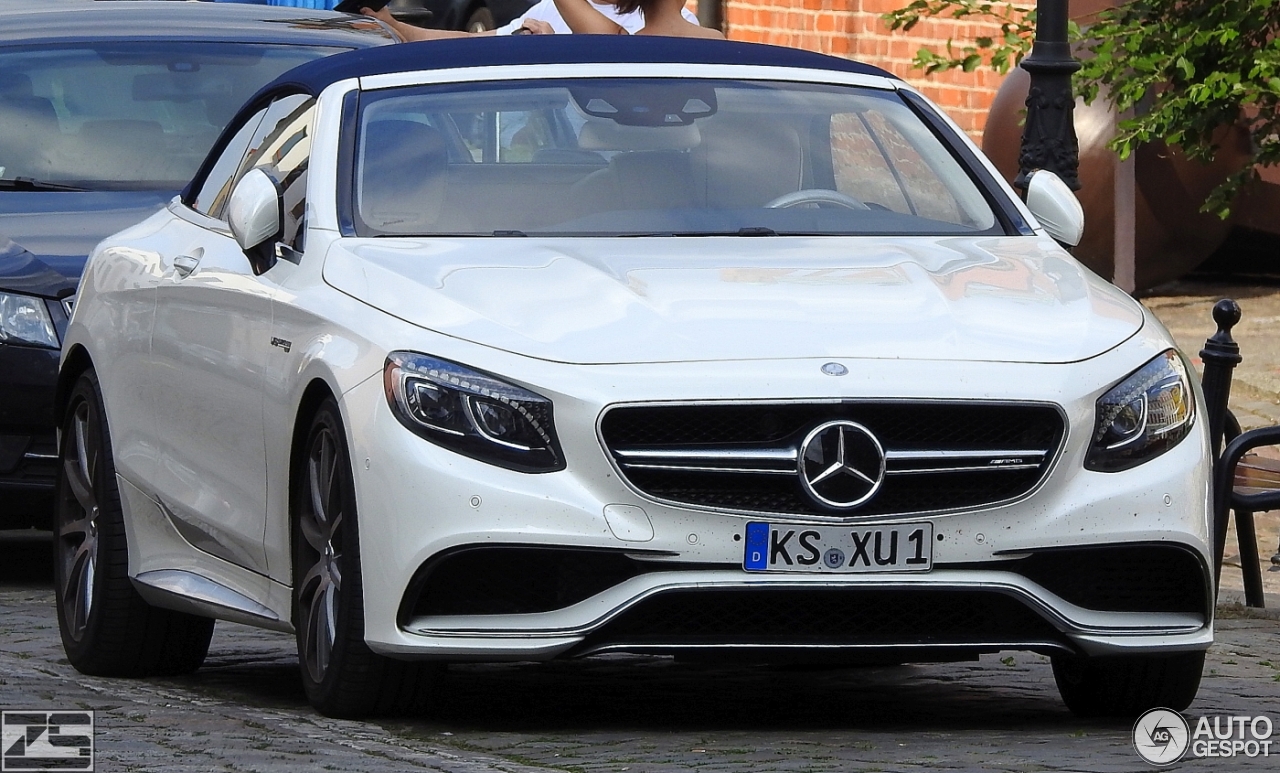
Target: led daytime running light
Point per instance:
(472, 412)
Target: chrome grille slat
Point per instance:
(693, 468)
(720, 460)
(972, 468)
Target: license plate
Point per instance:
(773, 547)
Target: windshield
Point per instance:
(126, 115)
(619, 157)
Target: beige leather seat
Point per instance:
(28, 128)
(650, 170)
(117, 149)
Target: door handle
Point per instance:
(183, 265)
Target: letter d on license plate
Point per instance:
(904, 547)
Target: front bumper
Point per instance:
(28, 445)
(419, 502)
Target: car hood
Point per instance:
(1010, 299)
(56, 230)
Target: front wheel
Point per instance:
(342, 676)
(107, 628)
(1127, 685)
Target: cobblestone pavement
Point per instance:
(245, 710)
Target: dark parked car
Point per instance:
(106, 110)
(469, 15)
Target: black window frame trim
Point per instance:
(247, 111)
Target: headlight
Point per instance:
(1142, 416)
(24, 319)
(473, 413)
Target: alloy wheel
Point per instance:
(321, 529)
(78, 519)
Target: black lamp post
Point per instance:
(1049, 136)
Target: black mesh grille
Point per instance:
(1138, 578)
(937, 427)
(507, 579)
(827, 616)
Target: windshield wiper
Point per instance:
(32, 184)
(752, 230)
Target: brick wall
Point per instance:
(853, 29)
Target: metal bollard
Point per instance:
(1220, 355)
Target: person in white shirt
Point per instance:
(661, 17)
(542, 19)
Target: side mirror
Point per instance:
(1055, 206)
(254, 214)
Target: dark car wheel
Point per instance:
(1128, 685)
(342, 676)
(481, 19)
(107, 628)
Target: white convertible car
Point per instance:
(545, 347)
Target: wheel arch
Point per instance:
(316, 392)
(74, 363)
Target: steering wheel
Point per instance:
(815, 196)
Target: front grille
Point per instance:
(1120, 578)
(849, 617)
(938, 455)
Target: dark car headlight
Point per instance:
(1143, 416)
(473, 413)
(24, 320)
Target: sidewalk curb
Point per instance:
(1231, 606)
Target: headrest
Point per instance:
(403, 142)
(15, 84)
(607, 135)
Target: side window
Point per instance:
(213, 193)
(282, 147)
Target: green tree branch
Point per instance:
(1186, 68)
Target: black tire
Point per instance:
(480, 20)
(342, 676)
(1128, 685)
(107, 628)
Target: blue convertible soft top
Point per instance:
(314, 76)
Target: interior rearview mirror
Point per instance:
(253, 212)
(1055, 206)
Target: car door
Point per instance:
(210, 347)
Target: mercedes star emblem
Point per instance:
(841, 464)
